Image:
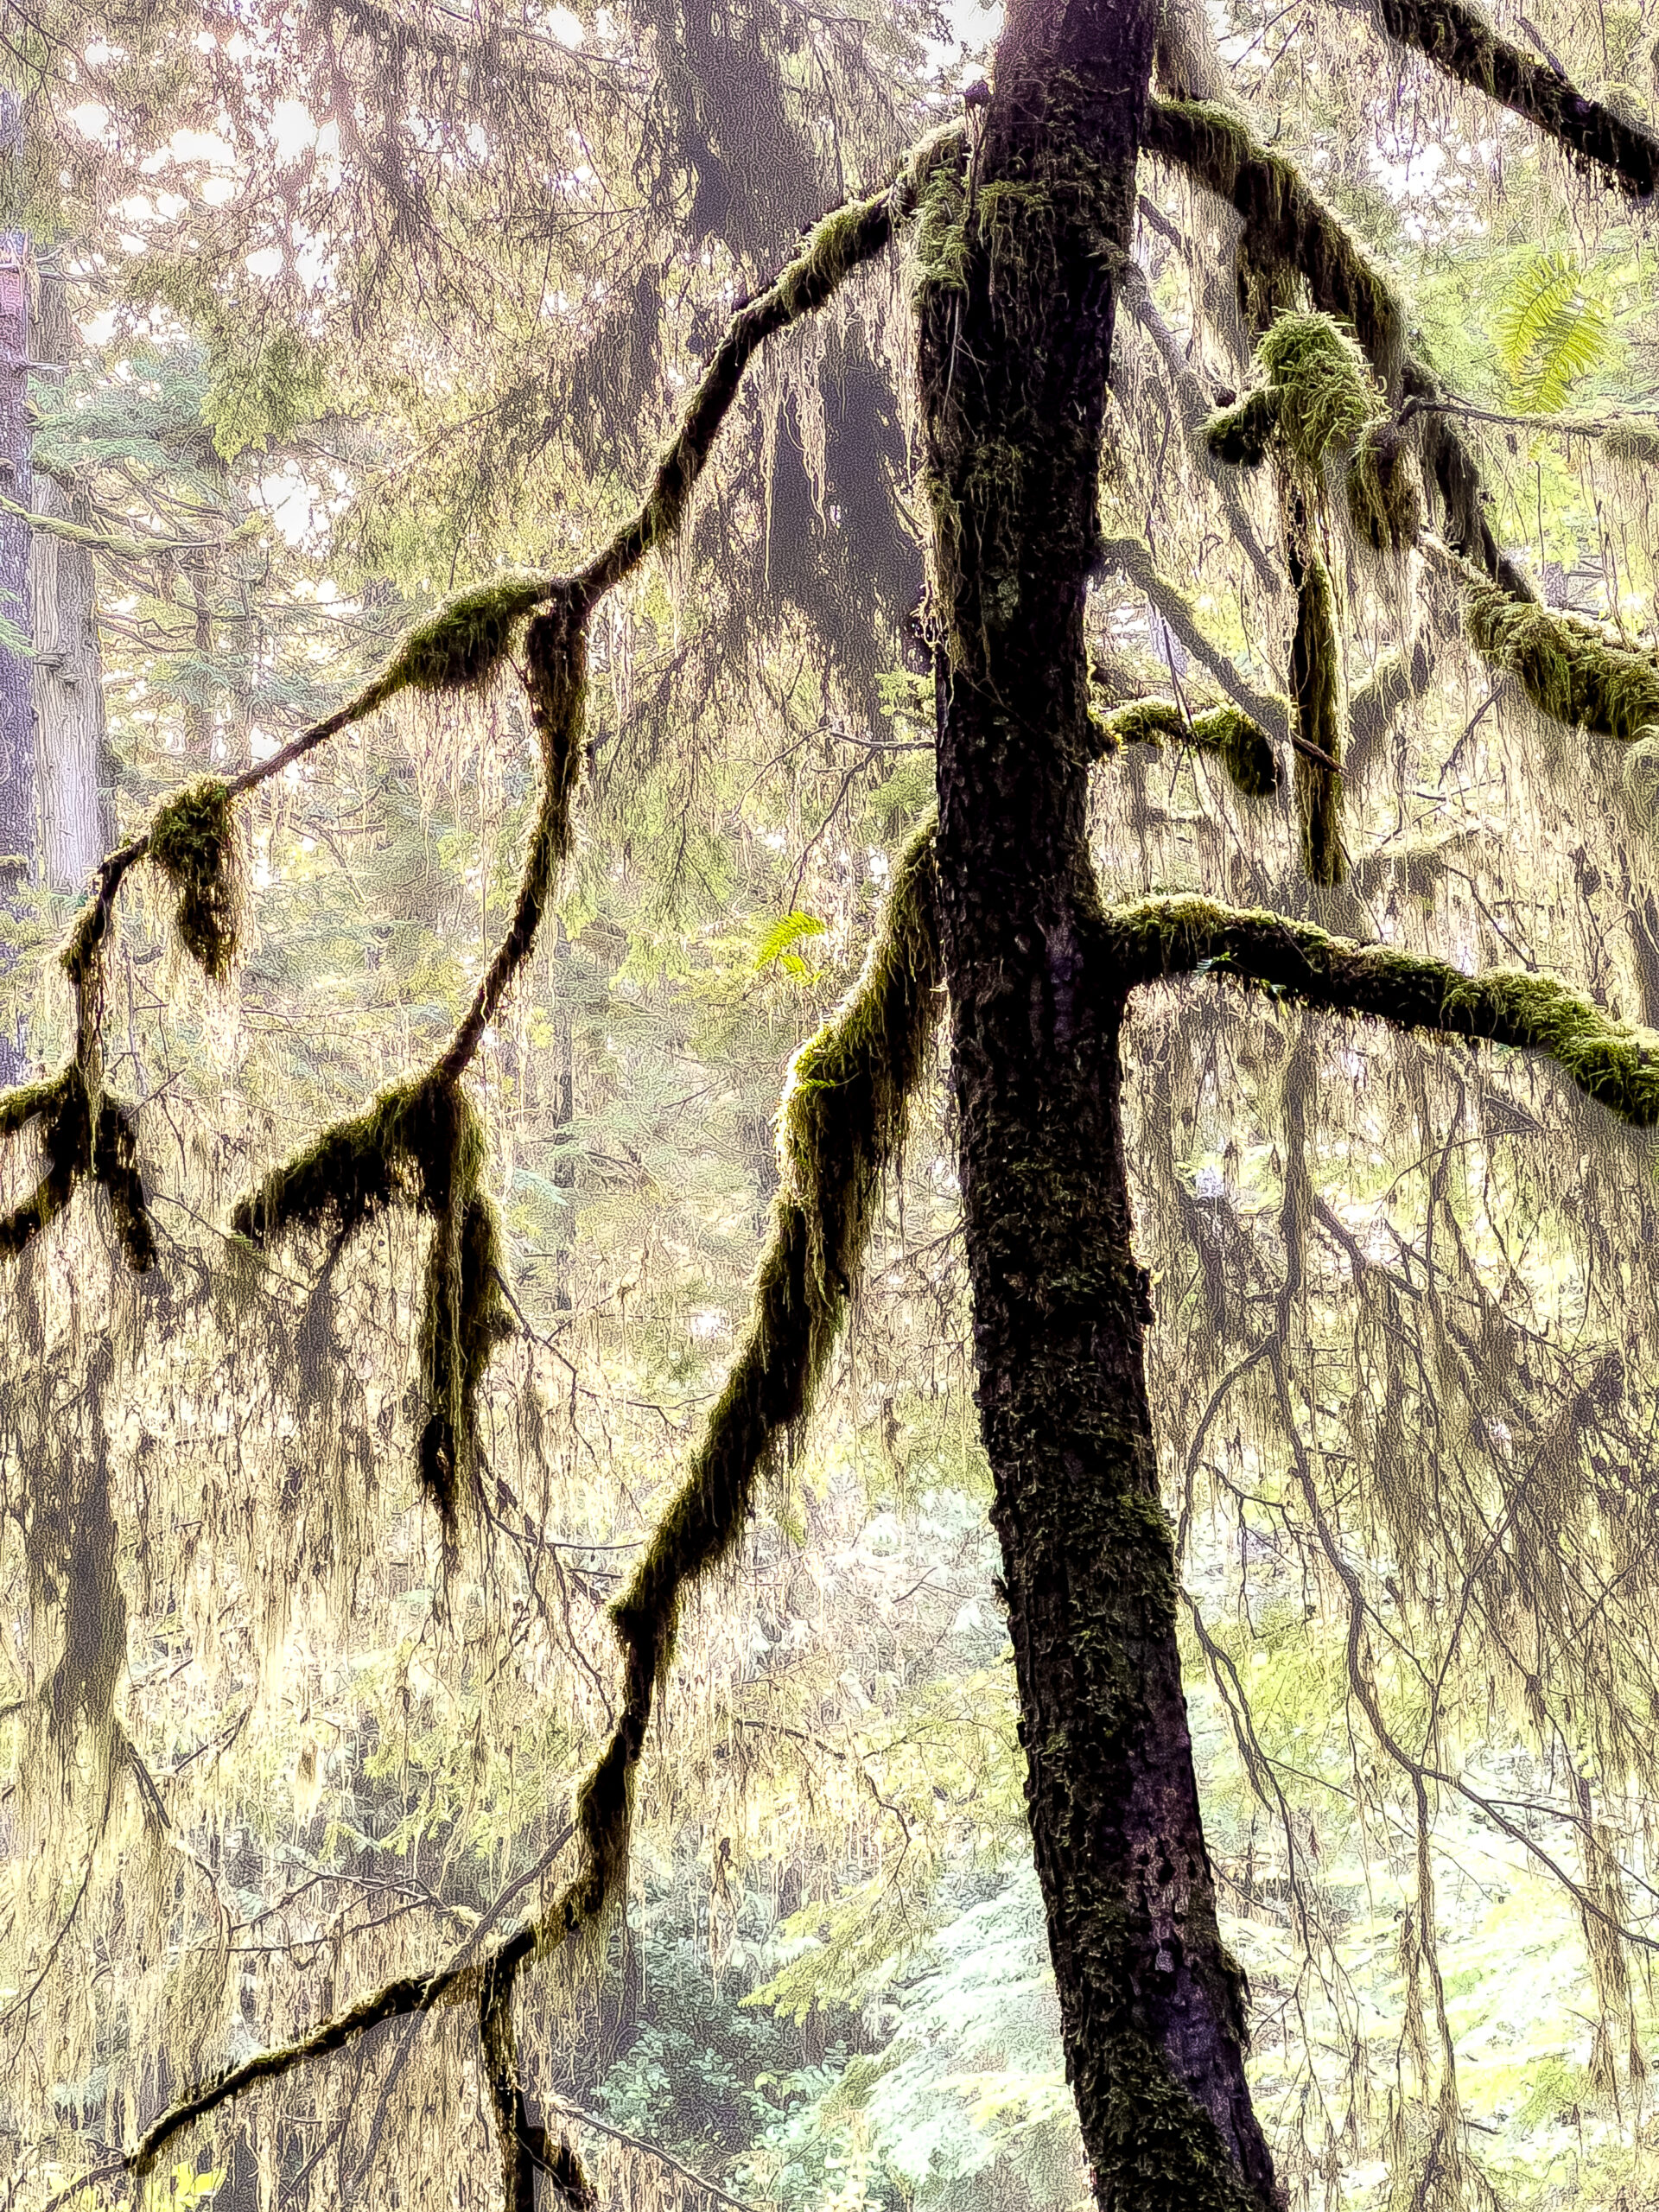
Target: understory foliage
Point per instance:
(414, 1297)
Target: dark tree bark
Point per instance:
(1014, 359)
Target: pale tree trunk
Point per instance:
(1014, 358)
(72, 755)
(17, 704)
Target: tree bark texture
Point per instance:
(70, 743)
(1016, 304)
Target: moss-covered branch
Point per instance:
(1564, 665)
(1608, 1060)
(841, 1127)
(1286, 225)
(1459, 40)
(1242, 746)
(1133, 558)
(1288, 234)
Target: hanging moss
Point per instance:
(1381, 488)
(419, 1145)
(1316, 676)
(194, 843)
(466, 641)
(1565, 667)
(1633, 445)
(79, 1142)
(1326, 399)
(464, 1317)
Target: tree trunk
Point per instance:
(1016, 309)
(16, 705)
(72, 765)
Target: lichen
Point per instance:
(1564, 666)
(193, 840)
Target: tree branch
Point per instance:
(1608, 1060)
(1134, 559)
(1451, 35)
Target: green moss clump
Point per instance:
(1244, 747)
(461, 645)
(194, 843)
(1327, 397)
(82, 1137)
(1316, 682)
(1242, 436)
(1382, 491)
(1288, 236)
(1564, 666)
(1240, 744)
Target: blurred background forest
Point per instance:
(330, 308)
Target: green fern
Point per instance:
(1551, 327)
(787, 930)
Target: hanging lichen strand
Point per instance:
(1610, 1061)
(840, 1127)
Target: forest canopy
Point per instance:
(828, 1050)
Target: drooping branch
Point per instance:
(1289, 232)
(842, 1124)
(1457, 39)
(1608, 1060)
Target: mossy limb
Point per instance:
(193, 840)
(1564, 666)
(463, 645)
(1611, 1061)
(1316, 677)
(1459, 40)
(1242, 747)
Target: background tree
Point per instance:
(1169, 2017)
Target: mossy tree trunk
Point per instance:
(1016, 311)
